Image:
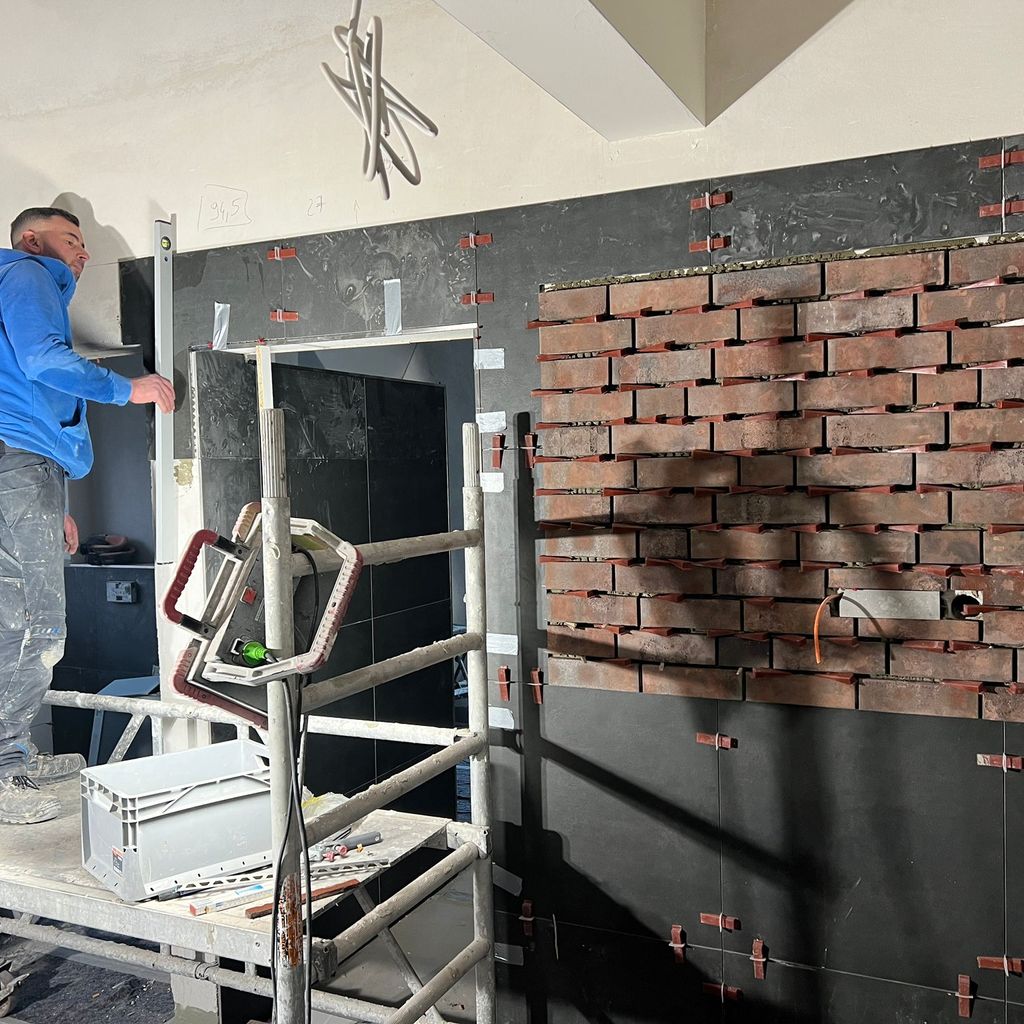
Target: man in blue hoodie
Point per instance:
(44, 439)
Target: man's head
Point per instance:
(49, 231)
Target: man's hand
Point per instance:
(153, 388)
(70, 535)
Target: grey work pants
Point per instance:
(32, 625)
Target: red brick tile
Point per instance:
(750, 581)
(770, 360)
(772, 545)
(571, 442)
(762, 508)
(852, 316)
(1003, 627)
(872, 469)
(673, 508)
(678, 681)
(768, 435)
(928, 349)
(950, 547)
(942, 388)
(760, 397)
(767, 471)
(861, 659)
(572, 508)
(917, 698)
(987, 344)
(660, 438)
(808, 690)
(617, 611)
(996, 589)
(988, 664)
(1004, 549)
(884, 509)
(983, 262)
(577, 576)
(886, 430)
(849, 546)
(687, 328)
(974, 305)
(919, 629)
(984, 507)
(573, 408)
(581, 642)
(598, 675)
(698, 613)
(768, 321)
(971, 469)
(792, 617)
(678, 649)
(1001, 384)
(885, 273)
(855, 392)
(665, 543)
(669, 402)
(563, 374)
(573, 338)
(588, 543)
(572, 303)
(686, 472)
(797, 281)
(662, 579)
(1002, 706)
(669, 293)
(576, 475)
(663, 367)
(875, 579)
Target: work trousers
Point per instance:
(32, 622)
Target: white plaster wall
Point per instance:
(131, 109)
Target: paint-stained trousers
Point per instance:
(32, 625)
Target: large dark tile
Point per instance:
(1012, 784)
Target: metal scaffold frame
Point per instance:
(81, 901)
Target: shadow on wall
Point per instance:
(746, 41)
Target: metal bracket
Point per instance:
(459, 833)
(325, 961)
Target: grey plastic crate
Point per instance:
(151, 824)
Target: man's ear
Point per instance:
(29, 242)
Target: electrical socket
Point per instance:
(122, 592)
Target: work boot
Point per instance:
(21, 803)
(46, 768)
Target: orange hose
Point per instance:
(817, 624)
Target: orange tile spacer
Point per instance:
(497, 450)
(1008, 762)
(283, 316)
(721, 991)
(964, 997)
(710, 200)
(1007, 964)
(280, 253)
(711, 243)
(758, 958)
(504, 679)
(477, 298)
(1005, 208)
(719, 742)
(677, 943)
(722, 922)
(473, 240)
(1003, 159)
(527, 918)
(537, 683)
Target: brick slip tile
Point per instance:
(600, 337)
(1000, 384)
(769, 435)
(581, 642)
(1003, 627)
(862, 659)
(753, 582)
(679, 649)
(995, 589)
(1002, 706)
(588, 544)
(852, 316)
(1004, 549)
(983, 426)
(983, 507)
(770, 360)
(695, 614)
(575, 475)
(768, 321)
(661, 402)
(598, 675)
(987, 344)
(572, 303)
(767, 471)
(735, 652)
(687, 328)
(801, 280)
(849, 546)
(686, 472)
(807, 690)
(914, 698)
(651, 509)
(872, 469)
(763, 396)
(886, 430)
(992, 664)
(616, 611)
(662, 579)
(855, 392)
(763, 508)
(662, 367)
(885, 273)
(974, 305)
(918, 629)
(586, 408)
(572, 508)
(884, 509)
(678, 681)
(772, 545)
(928, 349)
(577, 576)
(980, 263)
(671, 293)
(660, 438)
(941, 388)
(570, 442)
(665, 543)
(792, 617)
(563, 374)
(950, 547)
(972, 469)
(876, 579)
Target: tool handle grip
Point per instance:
(366, 839)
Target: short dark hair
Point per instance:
(34, 213)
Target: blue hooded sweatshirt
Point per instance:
(44, 385)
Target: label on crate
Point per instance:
(117, 859)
